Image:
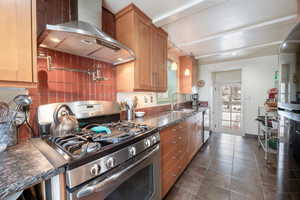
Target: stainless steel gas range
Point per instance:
(107, 158)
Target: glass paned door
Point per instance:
(229, 107)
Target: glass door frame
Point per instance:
(217, 99)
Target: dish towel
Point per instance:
(101, 129)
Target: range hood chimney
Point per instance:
(85, 38)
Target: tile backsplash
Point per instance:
(63, 86)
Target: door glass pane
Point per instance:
(231, 106)
(236, 116)
(226, 124)
(138, 187)
(226, 116)
(236, 125)
(225, 107)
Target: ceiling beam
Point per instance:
(239, 49)
(239, 30)
(185, 10)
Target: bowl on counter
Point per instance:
(139, 114)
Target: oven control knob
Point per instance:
(154, 140)
(147, 143)
(110, 162)
(95, 170)
(132, 151)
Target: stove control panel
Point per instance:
(110, 163)
(132, 151)
(106, 163)
(147, 142)
(95, 170)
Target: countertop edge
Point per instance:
(30, 181)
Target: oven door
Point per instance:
(136, 180)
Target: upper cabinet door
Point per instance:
(135, 29)
(159, 60)
(162, 63)
(186, 74)
(143, 55)
(18, 42)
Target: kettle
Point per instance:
(64, 121)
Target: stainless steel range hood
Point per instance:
(85, 38)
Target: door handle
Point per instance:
(88, 190)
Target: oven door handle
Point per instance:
(88, 190)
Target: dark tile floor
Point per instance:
(233, 168)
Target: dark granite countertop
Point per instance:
(169, 118)
(22, 166)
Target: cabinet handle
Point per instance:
(180, 127)
(174, 142)
(180, 138)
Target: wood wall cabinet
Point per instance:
(149, 71)
(187, 73)
(108, 22)
(18, 43)
(179, 144)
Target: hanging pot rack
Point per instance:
(96, 73)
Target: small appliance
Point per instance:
(195, 99)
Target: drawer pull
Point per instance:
(174, 142)
(180, 138)
(174, 175)
(180, 126)
(173, 157)
(174, 129)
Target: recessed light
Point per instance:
(234, 53)
(56, 40)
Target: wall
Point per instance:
(257, 78)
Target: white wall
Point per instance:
(257, 78)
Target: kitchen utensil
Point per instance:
(139, 114)
(135, 102)
(8, 131)
(130, 114)
(23, 100)
(64, 121)
(4, 109)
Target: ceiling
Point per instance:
(220, 30)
